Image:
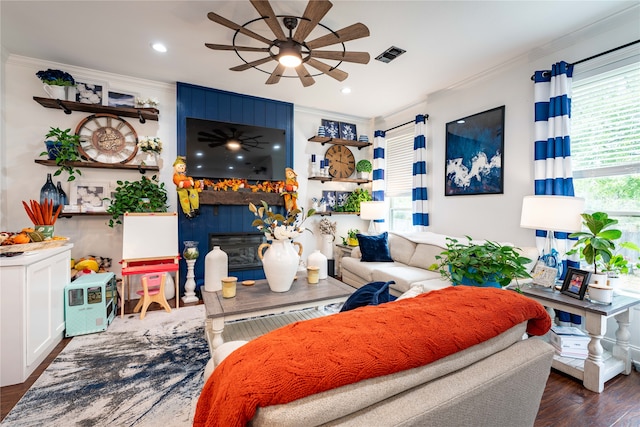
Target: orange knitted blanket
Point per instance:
(316, 355)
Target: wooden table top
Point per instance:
(259, 297)
(620, 302)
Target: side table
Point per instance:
(600, 366)
(342, 251)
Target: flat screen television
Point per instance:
(218, 150)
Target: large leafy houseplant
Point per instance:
(598, 247)
(352, 203)
(479, 264)
(64, 150)
(146, 195)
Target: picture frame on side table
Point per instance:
(118, 98)
(89, 196)
(474, 154)
(575, 283)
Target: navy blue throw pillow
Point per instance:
(374, 293)
(374, 248)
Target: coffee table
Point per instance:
(258, 300)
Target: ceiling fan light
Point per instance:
(233, 145)
(289, 59)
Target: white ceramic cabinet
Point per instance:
(31, 310)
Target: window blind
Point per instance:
(399, 158)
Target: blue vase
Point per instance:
(52, 149)
(62, 196)
(49, 192)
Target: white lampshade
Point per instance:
(373, 210)
(552, 213)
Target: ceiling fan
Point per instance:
(292, 50)
(233, 142)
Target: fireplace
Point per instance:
(241, 248)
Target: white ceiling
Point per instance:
(446, 42)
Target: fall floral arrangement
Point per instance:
(151, 102)
(56, 77)
(277, 226)
(150, 143)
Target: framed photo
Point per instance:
(341, 197)
(89, 196)
(543, 275)
(330, 198)
(121, 99)
(575, 283)
(91, 92)
(348, 131)
(474, 154)
(331, 128)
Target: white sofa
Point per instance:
(412, 255)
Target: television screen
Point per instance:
(230, 150)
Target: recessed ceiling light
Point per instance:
(345, 90)
(159, 47)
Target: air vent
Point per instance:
(390, 54)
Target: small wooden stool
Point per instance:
(152, 291)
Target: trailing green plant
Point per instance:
(146, 195)
(364, 166)
(65, 151)
(481, 263)
(352, 204)
(598, 247)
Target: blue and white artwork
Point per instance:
(331, 128)
(348, 131)
(341, 197)
(330, 199)
(474, 154)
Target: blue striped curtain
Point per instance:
(419, 190)
(552, 164)
(378, 186)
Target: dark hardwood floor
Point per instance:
(565, 403)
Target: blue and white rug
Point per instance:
(138, 373)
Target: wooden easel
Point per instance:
(149, 245)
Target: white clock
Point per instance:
(107, 138)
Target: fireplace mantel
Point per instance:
(210, 197)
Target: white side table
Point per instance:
(341, 251)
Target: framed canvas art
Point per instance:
(90, 92)
(474, 154)
(121, 99)
(331, 128)
(348, 131)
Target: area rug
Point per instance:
(137, 373)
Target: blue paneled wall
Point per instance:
(211, 104)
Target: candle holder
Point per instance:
(190, 255)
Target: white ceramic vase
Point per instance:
(317, 259)
(280, 262)
(216, 267)
(150, 158)
(327, 245)
(55, 92)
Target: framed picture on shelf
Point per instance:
(474, 154)
(121, 99)
(330, 198)
(91, 92)
(89, 196)
(341, 197)
(348, 131)
(575, 283)
(331, 128)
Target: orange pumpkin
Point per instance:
(21, 238)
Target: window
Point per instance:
(605, 144)
(399, 180)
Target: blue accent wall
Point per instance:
(212, 104)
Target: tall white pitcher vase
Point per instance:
(216, 267)
(327, 245)
(280, 262)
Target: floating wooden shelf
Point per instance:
(330, 179)
(68, 106)
(337, 141)
(330, 213)
(70, 214)
(209, 197)
(141, 168)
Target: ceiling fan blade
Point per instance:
(359, 57)
(266, 11)
(250, 64)
(346, 34)
(312, 15)
(218, 144)
(221, 133)
(335, 73)
(305, 76)
(238, 48)
(275, 75)
(229, 24)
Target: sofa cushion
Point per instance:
(364, 269)
(401, 248)
(425, 255)
(374, 248)
(374, 293)
(403, 275)
(413, 291)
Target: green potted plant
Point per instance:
(363, 168)
(488, 265)
(351, 239)
(146, 195)
(352, 204)
(64, 150)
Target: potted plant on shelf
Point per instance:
(598, 246)
(352, 238)
(56, 82)
(487, 265)
(352, 203)
(363, 168)
(64, 150)
(146, 195)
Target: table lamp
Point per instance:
(552, 213)
(373, 211)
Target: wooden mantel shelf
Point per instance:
(210, 197)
